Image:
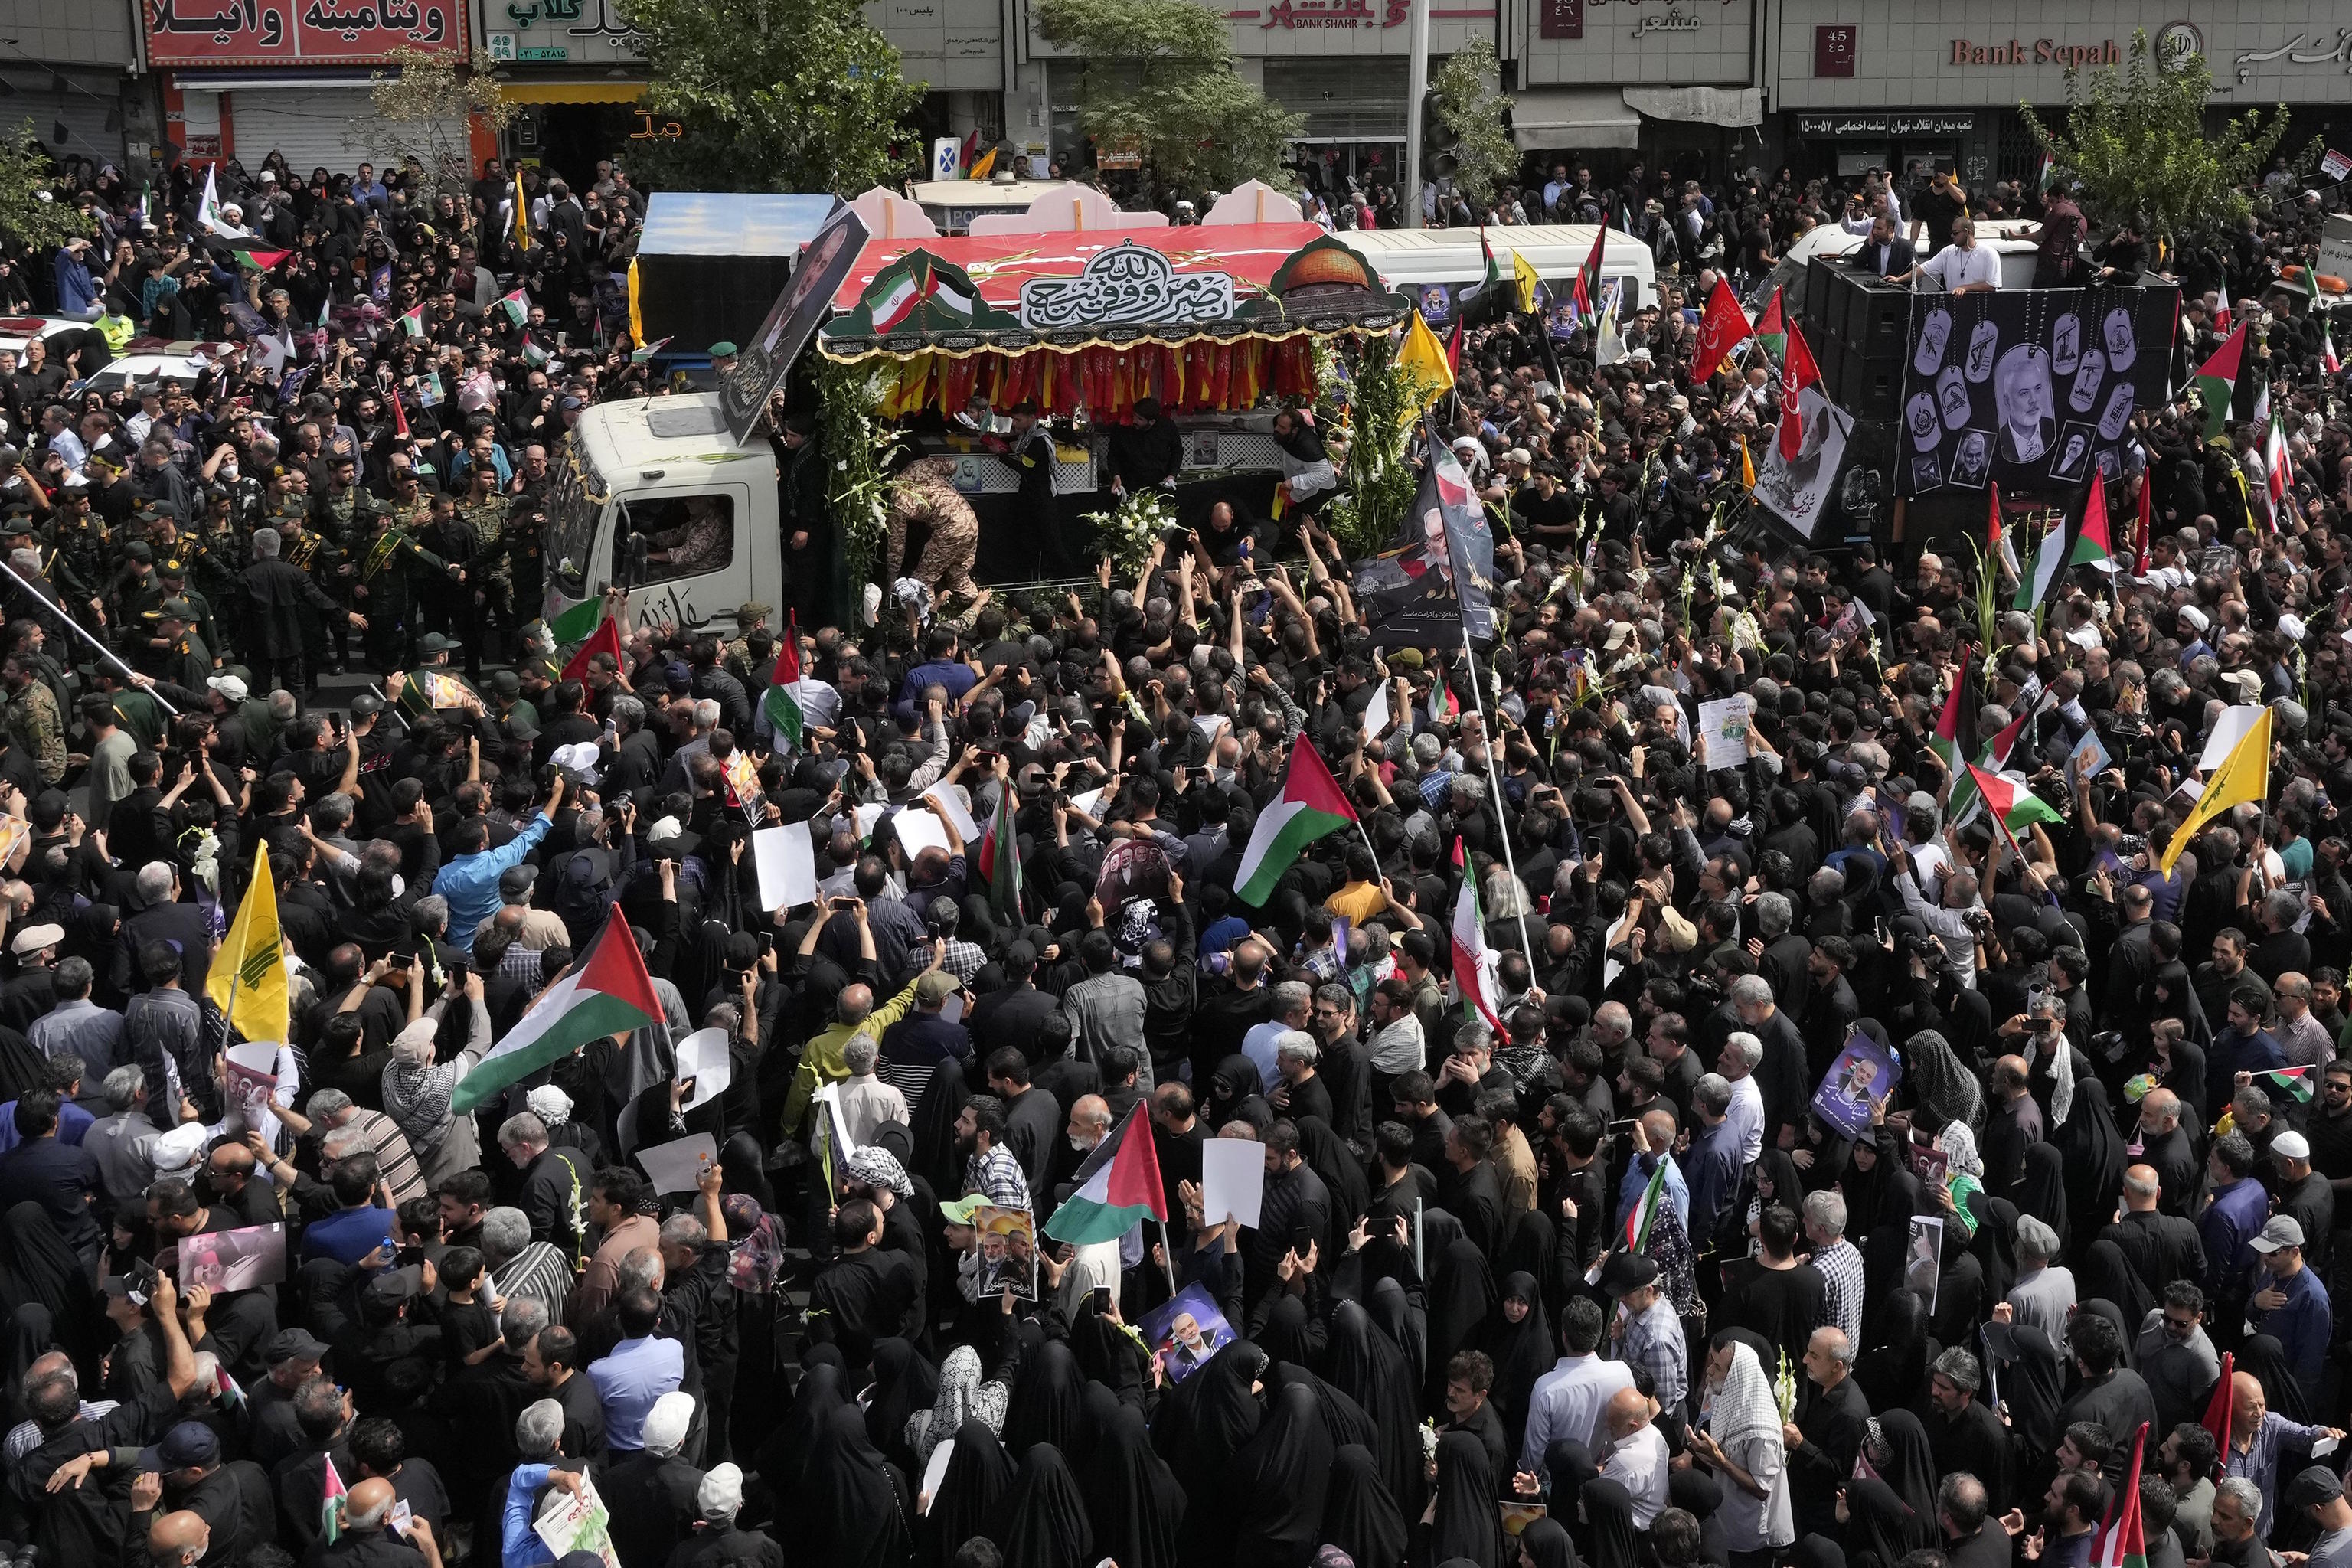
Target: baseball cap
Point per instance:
(932, 986)
(962, 1211)
(2282, 1231)
(516, 880)
(187, 1443)
(2311, 1486)
(2290, 1146)
(668, 1423)
(228, 685)
(1627, 1271)
(32, 939)
(293, 1345)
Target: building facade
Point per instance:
(72, 72)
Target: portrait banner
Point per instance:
(2030, 388)
(1865, 1072)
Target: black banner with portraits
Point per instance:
(2030, 388)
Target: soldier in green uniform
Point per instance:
(135, 595)
(173, 574)
(33, 719)
(507, 705)
(490, 569)
(213, 549)
(391, 567)
(338, 515)
(320, 562)
(185, 660)
(737, 654)
(76, 561)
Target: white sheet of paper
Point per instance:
(948, 801)
(844, 1144)
(675, 1167)
(917, 831)
(867, 816)
(255, 1056)
(1091, 801)
(702, 1056)
(2228, 730)
(935, 1474)
(786, 863)
(1233, 1180)
(1376, 712)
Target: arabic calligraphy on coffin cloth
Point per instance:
(1126, 286)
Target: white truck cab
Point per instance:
(653, 494)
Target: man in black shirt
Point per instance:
(867, 1294)
(1934, 211)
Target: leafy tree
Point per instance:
(425, 101)
(2137, 142)
(31, 211)
(1156, 77)
(803, 96)
(1468, 105)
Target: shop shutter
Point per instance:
(315, 128)
(83, 115)
(1351, 99)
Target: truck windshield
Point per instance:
(573, 504)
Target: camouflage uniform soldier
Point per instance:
(737, 654)
(927, 490)
(490, 569)
(33, 719)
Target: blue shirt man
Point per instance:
(2233, 1219)
(470, 882)
(1636, 1181)
(640, 1369)
(347, 1234)
(2291, 1303)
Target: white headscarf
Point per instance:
(1742, 1405)
(549, 1104)
(1959, 1147)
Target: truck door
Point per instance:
(685, 555)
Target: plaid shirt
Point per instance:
(1654, 1341)
(1840, 1266)
(964, 959)
(998, 1176)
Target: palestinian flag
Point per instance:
(331, 1502)
(255, 258)
(1798, 372)
(2216, 1419)
(1998, 537)
(1966, 801)
(2121, 1542)
(575, 623)
(225, 1389)
(1487, 296)
(606, 991)
(412, 324)
(1117, 1186)
(325, 311)
(2012, 805)
(605, 638)
(2082, 539)
(1645, 1214)
(1955, 740)
(1454, 347)
(2276, 475)
(533, 355)
(1587, 294)
(2046, 176)
(782, 702)
(1474, 961)
(1000, 859)
(645, 355)
(2294, 1083)
(1309, 807)
(517, 306)
(2216, 382)
(1721, 329)
(1773, 327)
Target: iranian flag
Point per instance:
(1000, 858)
(2003, 549)
(2121, 1542)
(2276, 472)
(517, 307)
(605, 638)
(1644, 1215)
(2327, 349)
(606, 991)
(782, 701)
(1798, 372)
(1721, 329)
(412, 324)
(2216, 382)
(1773, 327)
(1474, 961)
(1117, 1186)
(2293, 1083)
(1309, 807)
(331, 1502)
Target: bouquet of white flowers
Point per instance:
(1130, 529)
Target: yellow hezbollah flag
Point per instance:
(1423, 355)
(248, 980)
(2244, 774)
(1523, 273)
(522, 213)
(1747, 464)
(636, 322)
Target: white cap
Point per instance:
(580, 757)
(32, 939)
(668, 1422)
(722, 1493)
(664, 830)
(229, 686)
(2290, 1146)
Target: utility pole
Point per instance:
(1416, 88)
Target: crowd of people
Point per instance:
(1760, 1165)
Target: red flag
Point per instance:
(400, 419)
(1798, 372)
(1454, 346)
(1588, 276)
(1771, 324)
(1723, 328)
(2139, 529)
(605, 638)
(788, 656)
(2217, 1410)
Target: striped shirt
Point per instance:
(539, 1273)
(380, 1135)
(1840, 1266)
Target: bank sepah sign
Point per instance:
(2038, 52)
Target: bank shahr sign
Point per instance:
(298, 32)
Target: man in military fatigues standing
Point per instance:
(184, 659)
(491, 570)
(135, 597)
(392, 567)
(33, 719)
(173, 574)
(739, 656)
(213, 552)
(319, 561)
(76, 559)
(338, 511)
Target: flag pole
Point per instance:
(1167, 1251)
(1495, 782)
(82, 632)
